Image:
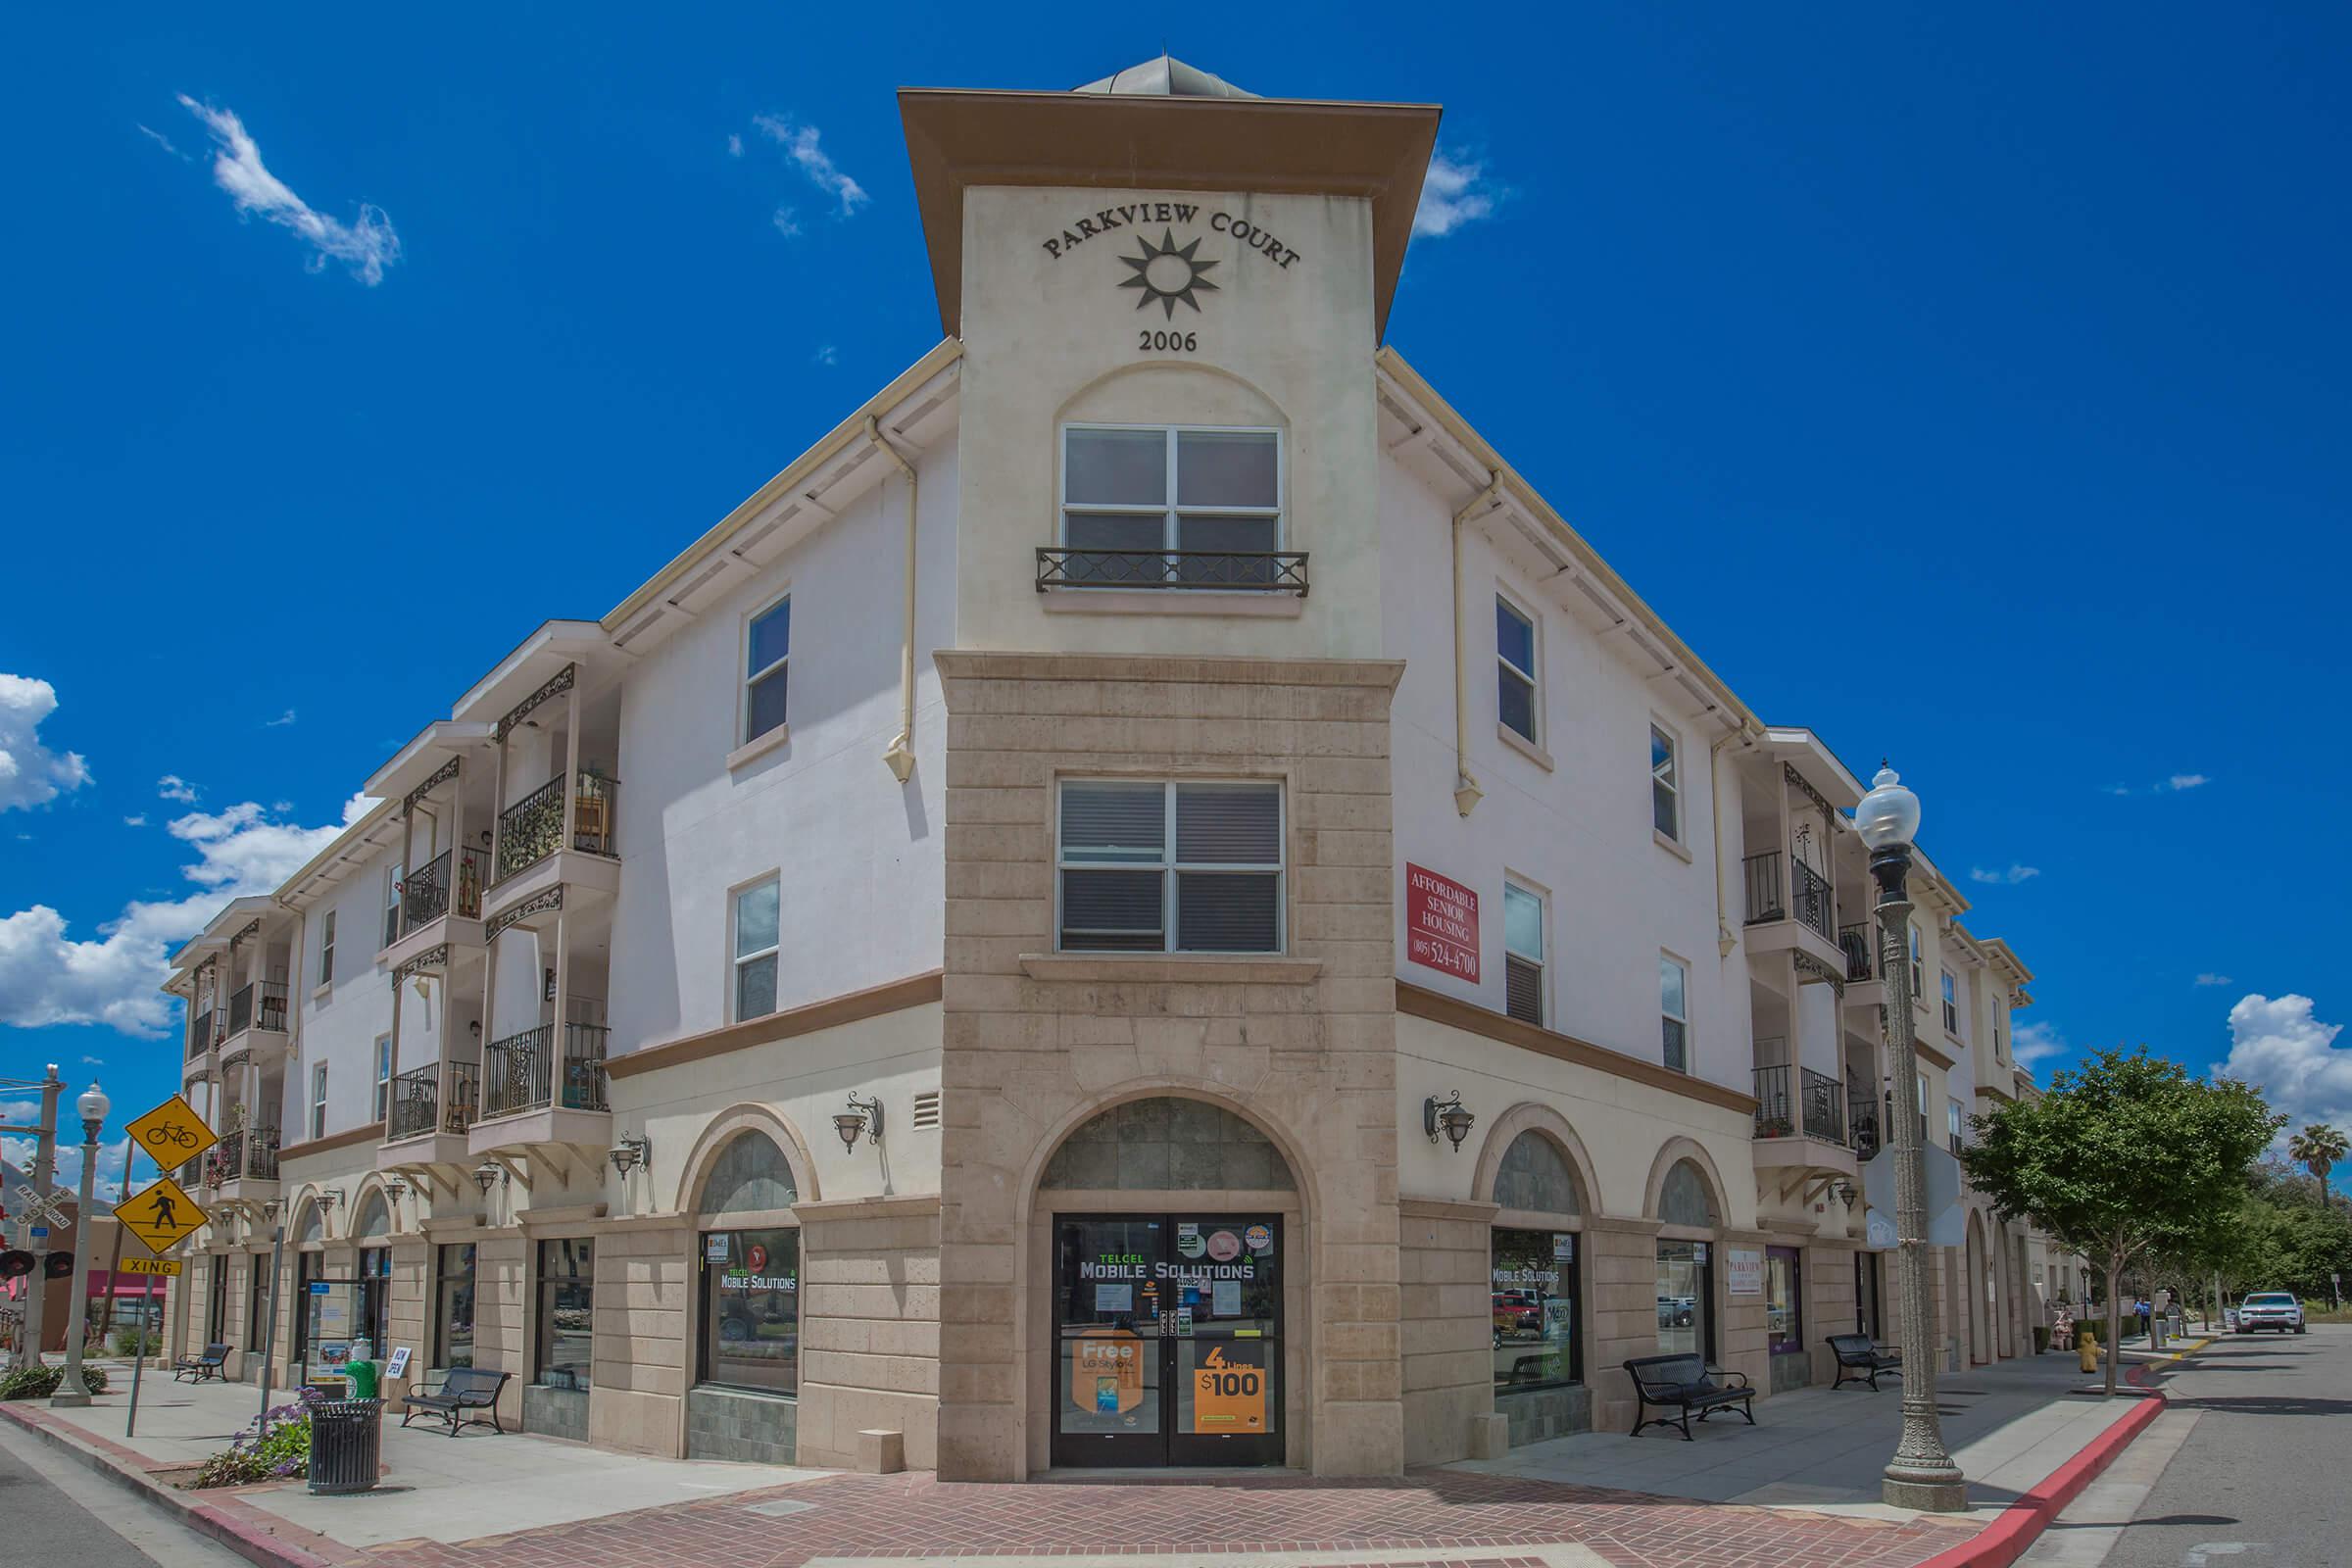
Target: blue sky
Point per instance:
(1966, 383)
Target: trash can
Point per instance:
(363, 1375)
(346, 1442)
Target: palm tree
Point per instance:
(2319, 1146)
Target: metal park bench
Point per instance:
(1860, 1357)
(197, 1368)
(1684, 1384)
(463, 1389)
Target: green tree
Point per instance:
(2318, 1147)
(2127, 1160)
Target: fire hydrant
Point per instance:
(2086, 1343)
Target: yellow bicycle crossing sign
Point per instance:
(163, 1215)
(173, 1134)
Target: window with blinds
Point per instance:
(1522, 953)
(1168, 868)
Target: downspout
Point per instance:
(900, 757)
(1466, 793)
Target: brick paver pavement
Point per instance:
(914, 1515)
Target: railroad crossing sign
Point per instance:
(43, 1210)
(173, 1134)
(163, 1215)
(167, 1266)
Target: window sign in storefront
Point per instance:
(751, 1310)
(1745, 1270)
(1784, 1326)
(1533, 1279)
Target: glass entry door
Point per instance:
(1167, 1340)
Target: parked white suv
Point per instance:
(2270, 1309)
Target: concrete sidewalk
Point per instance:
(1798, 1489)
(2008, 1425)
(435, 1488)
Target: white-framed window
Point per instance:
(1169, 866)
(1956, 1117)
(326, 946)
(319, 1101)
(766, 658)
(1920, 1083)
(756, 924)
(1919, 972)
(1522, 953)
(1674, 1010)
(1951, 1003)
(391, 935)
(384, 1075)
(1665, 785)
(1515, 695)
(1157, 504)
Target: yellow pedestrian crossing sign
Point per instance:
(173, 1134)
(163, 1215)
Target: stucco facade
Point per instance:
(776, 1020)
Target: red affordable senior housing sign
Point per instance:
(1441, 923)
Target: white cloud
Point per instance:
(801, 145)
(1454, 192)
(2037, 1043)
(366, 245)
(47, 977)
(139, 820)
(2184, 781)
(2278, 1046)
(786, 224)
(30, 773)
(2210, 979)
(280, 721)
(2009, 878)
(734, 145)
(165, 142)
(172, 787)
(66, 1178)
(827, 354)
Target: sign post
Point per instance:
(160, 1214)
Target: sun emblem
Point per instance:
(1167, 273)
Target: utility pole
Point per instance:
(44, 1166)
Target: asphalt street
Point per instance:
(53, 1510)
(2259, 1481)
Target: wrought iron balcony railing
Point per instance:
(1798, 1102)
(1281, 571)
(532, 828)
(200, 1034)
(439, 1096)
(1767, 894)
(247, 1154)
(1856, 940)
(1779, 885)
(1810, 893)
(426, 893)
(260, 1004)
(521, 1073)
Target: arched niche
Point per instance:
(1167, 1144)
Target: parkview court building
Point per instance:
(1145, 902)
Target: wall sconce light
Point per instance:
(394, 1191)
(485, 1176)
(329, 1197)
(1450, 1117)
(629, 1154)
(475, 1028)
(1846, 1195)
(854, 1120)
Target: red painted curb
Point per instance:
(257, 1538)
(2002, 1541)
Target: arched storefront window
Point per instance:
(750, 1275)
(1533, 1269)
(1687, 1267)
(373, 1230)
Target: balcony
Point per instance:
(534, 855)
(1269, 572)
(532, 1095)
(1792, 906)
(428, 892)
(1801, 1136)
(258, 1006)
(1856, 941)
(430, 1111)
(204, 1032)
(243, 1165)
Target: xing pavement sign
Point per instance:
(173, 1134)
(163, 1215)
